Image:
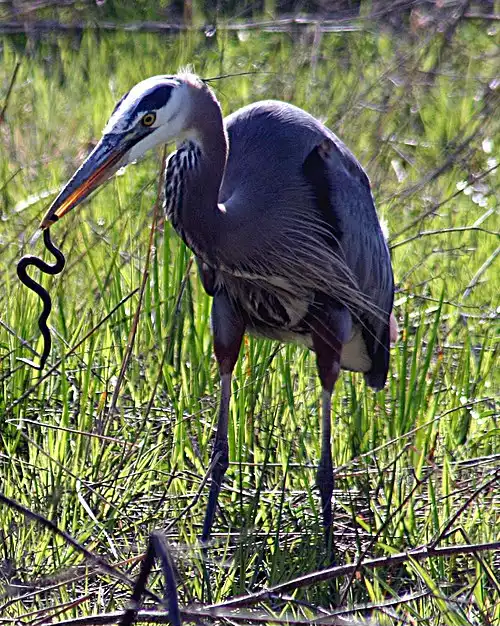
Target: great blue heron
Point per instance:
(280, 216)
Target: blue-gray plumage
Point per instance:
(280, 216)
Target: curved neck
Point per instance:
(194, 176)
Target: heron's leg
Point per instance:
(328, 336)
(228, 332)
(328, 360)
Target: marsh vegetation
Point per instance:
(110, 459)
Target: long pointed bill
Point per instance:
(99, 166)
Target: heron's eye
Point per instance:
(149, 119)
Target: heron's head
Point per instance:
(155, 111)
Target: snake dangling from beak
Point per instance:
(46, 268)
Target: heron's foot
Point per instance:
(220, 463)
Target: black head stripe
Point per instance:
(155, 99)
(120, 101)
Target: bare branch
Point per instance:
(99, 561)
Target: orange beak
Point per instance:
(100, 165)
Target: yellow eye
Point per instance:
(149, 119)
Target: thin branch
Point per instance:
(421, 553)
(442, 231)
(9, 91)
(477, 276)
(201, 616)
(281, 25)
(49, 612)
(74, 431)
(48, 524)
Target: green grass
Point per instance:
(420, 115)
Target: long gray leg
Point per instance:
(328, 360)
(228, 331)
(328, 337)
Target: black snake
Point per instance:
(46, 268)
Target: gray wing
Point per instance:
(346, 202)
(302, 215)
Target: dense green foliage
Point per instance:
(418, 111)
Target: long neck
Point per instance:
(194, 175)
